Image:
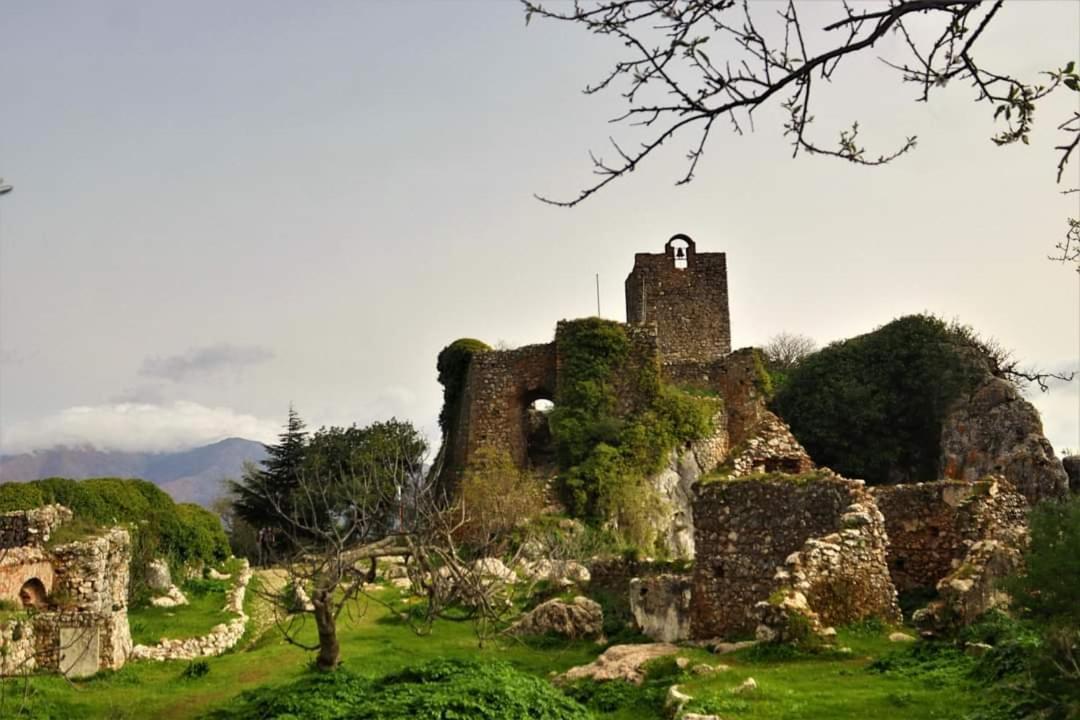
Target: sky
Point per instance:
(224, 208)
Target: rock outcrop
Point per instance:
(661, 606)
(620, 662)
(579, 618)
(995, 431)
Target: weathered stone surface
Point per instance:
(995, 431)
(899, 637)
(661, 606)
(23, 528)
(1072, 470)
(158, 577)
(173, 597)
(675, 700)
(80, 651)
(580, 618)
(770, 448)
(620, 662)
(959, 537)
(557, 572)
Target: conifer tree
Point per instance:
(265, 494)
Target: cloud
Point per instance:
(136, 427)
(204, 361)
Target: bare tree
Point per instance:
(786, 350)
(689, 64)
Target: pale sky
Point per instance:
(222, 208)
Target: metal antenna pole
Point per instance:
(598, 295)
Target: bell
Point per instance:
(680, 254)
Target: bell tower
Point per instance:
(684, 293)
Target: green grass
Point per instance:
(203, 611)
(375, 642)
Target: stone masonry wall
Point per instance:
(31, 527)
(501, 384)
(689, 305)
(933, 526)
(747, 529)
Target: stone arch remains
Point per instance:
(33, 594)
(535, 412)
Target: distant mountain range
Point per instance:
(194, 475)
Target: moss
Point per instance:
(453, 365)
(762, 380)
(797, 479)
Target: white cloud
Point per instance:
(135, 427)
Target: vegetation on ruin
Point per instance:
(604, 456)
(453, 364)
(497, 497)
(872, 406)
(179, 532)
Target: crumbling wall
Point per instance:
(995, 431)
(688, 305)
(751, 538)
(770, 448)
(932, 526)
(31, 527)
(739, 379)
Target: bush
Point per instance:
(437, 689)
(872, 407)
(605, 457)
(497, 497)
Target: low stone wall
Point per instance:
(17, 647)
(223, 637)
(31, 527)
(760, 537)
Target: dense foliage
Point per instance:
(496, 497)
(872, 406)
(351, 467)
(606, 456)
(159, 527)
(1048, 596)
(437, 689)
(453, 364)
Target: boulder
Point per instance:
(996, 431)
(580, 618)
(158, 577)
(172, 598)
(620, 662)
(557, 572)
(661, 606)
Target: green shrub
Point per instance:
(453, 364)
(605, 457)
(437, 689)
(195, 670)
(872, 407)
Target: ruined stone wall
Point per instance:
(20, 565)
(689, 305)
(995, 431)
(933, 526)
(92, 575)
(745, 530)
(31, 527)
(737, 378)
(501, 384)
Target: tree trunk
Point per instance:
(329, 650)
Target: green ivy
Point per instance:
(605, 457)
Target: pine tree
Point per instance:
(264, 495)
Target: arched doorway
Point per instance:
(539, 445)
(32, 594)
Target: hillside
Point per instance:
(193, 475)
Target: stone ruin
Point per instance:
(75, 594)
(776, 544)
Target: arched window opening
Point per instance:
(540, 446)
(32, 595)
(680, 250)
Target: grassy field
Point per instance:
(375, 641)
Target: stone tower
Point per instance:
(685, 294)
